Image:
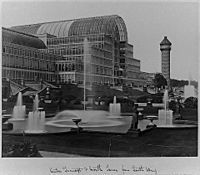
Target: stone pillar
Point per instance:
(165, 47)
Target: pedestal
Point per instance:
(134, 131)
(151, 124)
(77, 121)
(77, 130)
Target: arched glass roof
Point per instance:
(111, 25)
(103, 24)
(22, 39)
(59, 29)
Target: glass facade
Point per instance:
(101, 53)
(109, 59)
(20, 61)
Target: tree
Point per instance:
(191, 102)
(178, 83)
(159, 81)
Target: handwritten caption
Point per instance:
(105, 170)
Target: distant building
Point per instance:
(165, 47)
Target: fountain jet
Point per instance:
(36, 103)
(165, 116)
(115, 108)
(36, 118)
(19, 109)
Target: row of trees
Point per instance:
(181, 83)
(159, 81)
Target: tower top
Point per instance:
(165, 41)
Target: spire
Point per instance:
(165, 41)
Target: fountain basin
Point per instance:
(6, 117)
(35, 131)
(20, 126)
(175, 125)
(69, 123)
(110, 126)
(90, 120)
(180, 124)
(115, 117)
(18, 123)
(63, 122)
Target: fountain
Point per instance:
(19, 110)
(36, 119)
(165, 119)
(36, 103)
(115, 108)
(165, 116)
(99, 121)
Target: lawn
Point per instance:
(155, 143)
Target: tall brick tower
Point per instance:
(165, 47)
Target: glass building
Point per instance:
(109, 58)
(23, 57)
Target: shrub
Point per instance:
(191, 102)
(150, 110)
(156, 98)
(143, 99)
(25, 149)
(172, 106)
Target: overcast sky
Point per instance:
(147, 23)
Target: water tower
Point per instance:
(165, 47)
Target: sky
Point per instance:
(147, 23)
